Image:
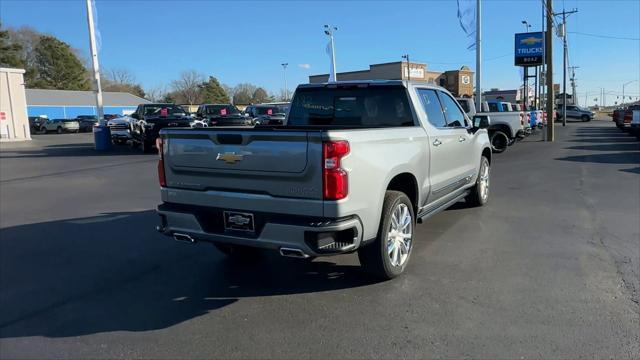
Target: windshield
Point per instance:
(222, 110)
(271, 110)
(164, 110)
(493, 107)
(370, 106)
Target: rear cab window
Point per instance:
(353, 106)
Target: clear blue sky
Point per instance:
(246, 41)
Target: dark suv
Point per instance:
(268, 114)
(222, 115)
(148, 119)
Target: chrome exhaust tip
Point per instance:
(183, 238)
(296, 253)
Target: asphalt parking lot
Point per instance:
(548, 269)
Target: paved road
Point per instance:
(548, 269)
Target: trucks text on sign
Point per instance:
(529, 49)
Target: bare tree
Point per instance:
(156, 93)
(121, 76)
(187, 87)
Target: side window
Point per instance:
(452, 112)
(432, 107)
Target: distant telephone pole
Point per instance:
(548, 51)
(562, 31)
(573, 84)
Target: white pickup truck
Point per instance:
(506, 126)
(353, 168)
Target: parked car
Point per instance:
(87, 122)
(624, 119)
(111, 116)
(35, 123)
(148, 119)
(60, 126)
(634, 125)
(354, 168)
(222, 115)
(575, 112)
(268, 114)
(505, 127)
(120, 128)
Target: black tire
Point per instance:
(43, 130)
(499, 141)
(585, 118)
(375, 258)
(238, 252)
(147, 147)
(59, 130)
(478, 195)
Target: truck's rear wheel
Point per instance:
(389, 253)
(586, 118)
(480, 191)
(499, 141)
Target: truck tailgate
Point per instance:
(280, 163)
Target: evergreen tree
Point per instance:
(10, 52)
(260, 96)
(57, 67)
(213, 93)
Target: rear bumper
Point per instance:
(313, 236)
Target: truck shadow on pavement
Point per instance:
(115, 273)
(621, 147)
(66, 150)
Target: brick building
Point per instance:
(458, 82)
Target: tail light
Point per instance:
(335, 184)
(161, 175)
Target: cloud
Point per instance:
(304, 66)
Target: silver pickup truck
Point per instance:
(354, 168)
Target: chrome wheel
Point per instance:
(483, 181)
(399, 235)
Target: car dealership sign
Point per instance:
(529, 49)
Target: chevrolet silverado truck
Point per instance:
(505, 127)
(353, 169)
(148, 119)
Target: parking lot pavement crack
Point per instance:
(73, 171)
(599, 234)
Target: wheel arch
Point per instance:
(406, 183)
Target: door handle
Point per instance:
(462, 138)
(437, 142)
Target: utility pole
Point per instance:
(573, 84)
(478, 55)
(563, 32)
(548, 52)
(623, 85)
(286, 90)
(101, 134)
(406, 57)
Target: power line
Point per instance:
(604, 36)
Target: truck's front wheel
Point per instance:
(389, 254)
(479, 194)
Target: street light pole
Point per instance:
(623, 85)
(286, 90)
(329, 30)
(406, 57)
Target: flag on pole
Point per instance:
(467, 17)
(329, 50)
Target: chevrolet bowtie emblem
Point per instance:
(230, 157)
(531, 40)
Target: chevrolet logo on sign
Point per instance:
(230, 157)
(531, 40)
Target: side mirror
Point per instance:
(481, 121)
(135, 116)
